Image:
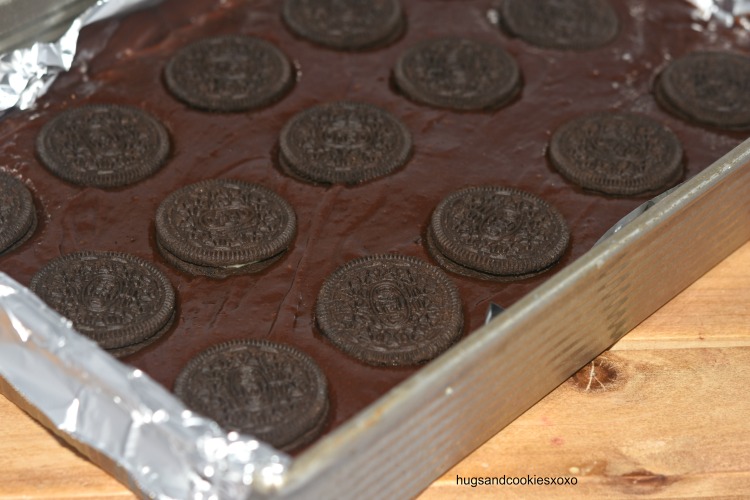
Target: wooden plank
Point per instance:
(37, 465)
(663, 423)
(712, 312)
(672, 424)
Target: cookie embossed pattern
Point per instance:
(222, 227)
(617, 153)
(458, 73)
(103, 145)
(122, 302)
(390, 310)
(17, 213)
(229, 73)
(709, 88)
(272, 391)
(343, 142)
(345, 25)
(496, 233)
(568, 25)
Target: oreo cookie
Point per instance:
(229, 74)
(343, 143)
(120, 301)
(223, 227)
(345, 24)
(620, 154)
(496, 233)
(458, 73)
(17, 213)
(103, 145)
(271, 391)
(390, 310)
(561, 24)
(710, 88)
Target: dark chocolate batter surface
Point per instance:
(121, 61)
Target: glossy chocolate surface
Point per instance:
(121, 61)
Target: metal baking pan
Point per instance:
(533, 346)
(517, 358)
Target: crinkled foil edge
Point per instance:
(27, 73)
(726, 12)
(117, 415)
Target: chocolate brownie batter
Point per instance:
(122, 61)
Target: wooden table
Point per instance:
(664, 413)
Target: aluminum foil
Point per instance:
(165, 450)
(27, 73)
(726, 12)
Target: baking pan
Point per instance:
(405, 440)
(478, 387)
(410, 436)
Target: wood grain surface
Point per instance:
(664, 414)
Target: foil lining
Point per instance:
(165, 450)
(727, 12)
(27, 73)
